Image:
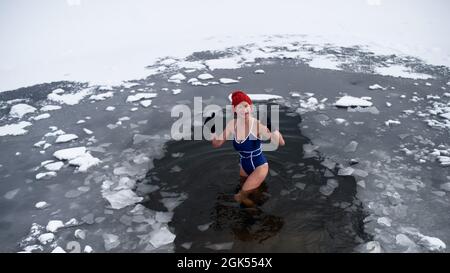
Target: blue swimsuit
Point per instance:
(250, 152)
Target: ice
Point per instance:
(14, 129)
(388, 104)
(69, 99)
(328, 189)
(163, 217)
(58, 249)
(346, 171)
(187, 245)
(71, 222)
(372, 110)
(41, 205)
(20, 110)
(80, 234)
(161, 237)
(54, 225)
(351, 147)
(87, 131)
(348, 101)
(11, 194)
(122, 198)
(50, 108)
(172, 203)
(445, 115)
(205, 76)
(204, 227)
(77, 156)
(42, 116)
(66, 138)
(70, 153)
(177, 78)
(328, 163)
(376, 87)
(225, 63)
(400, 71)
(259, 71)
(392, 122)
(111, 241)
(56, 166)
(140, 96)
(325, 62)
(300, 185)
(88, 249)
(372, 247)
(445, 186)
(176, 91)
(46, 238)
(227, 81)
(432, 243)
(340, 121)
(102, 96)
(110, 108)
(384, 221)
(45, 175)
(222, 246)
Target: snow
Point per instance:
(140, 96)
(259, 71)
(20, 110)
(58, 249)
(177, 78)
(56, 166)
(348, 101)
(77, 156)
(66, 138)
(42, 116)
(205, 76)
(110, 108)
(400, 71)
(227, 81)
(122, 198)
(102, 96)
(70, 153)
(87, 131)
(45, 175)
(432, 243)
(14, 129)
(50, 108)
(376, 87)
(225, 63)
(145, 103)
(54, 225)
(325, 62)
(176, 91)
(46, 238)
(41, 205)
(161, 237)
(70, 98)
(260, 97)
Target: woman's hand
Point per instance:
(277, 135)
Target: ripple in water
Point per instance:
(292, 214)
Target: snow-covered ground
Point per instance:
(75, 39)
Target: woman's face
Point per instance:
(243, 109)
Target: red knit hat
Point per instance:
(239, 96)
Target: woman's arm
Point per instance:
(265, 134)
(219, 141)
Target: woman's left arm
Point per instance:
(265, 134)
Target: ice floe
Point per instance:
(77, 156)
(121, 199)
(225, 63)
(47, 108)
(59, 95)
(349, 101)
(102, 96)
(227, 81)
(66, 138)
(205, 76)
(41, 116)
(21, 109)
(41, 205)
(14, 129)
(140, 96)
(54, 225)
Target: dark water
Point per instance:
(287, 218)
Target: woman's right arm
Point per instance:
(219, 141)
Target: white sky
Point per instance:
(105, 41)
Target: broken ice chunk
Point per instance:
(122, 198)
(348, 101)
(111, 241)
(161, 237)
(54, 225)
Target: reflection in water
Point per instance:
(292, 214)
